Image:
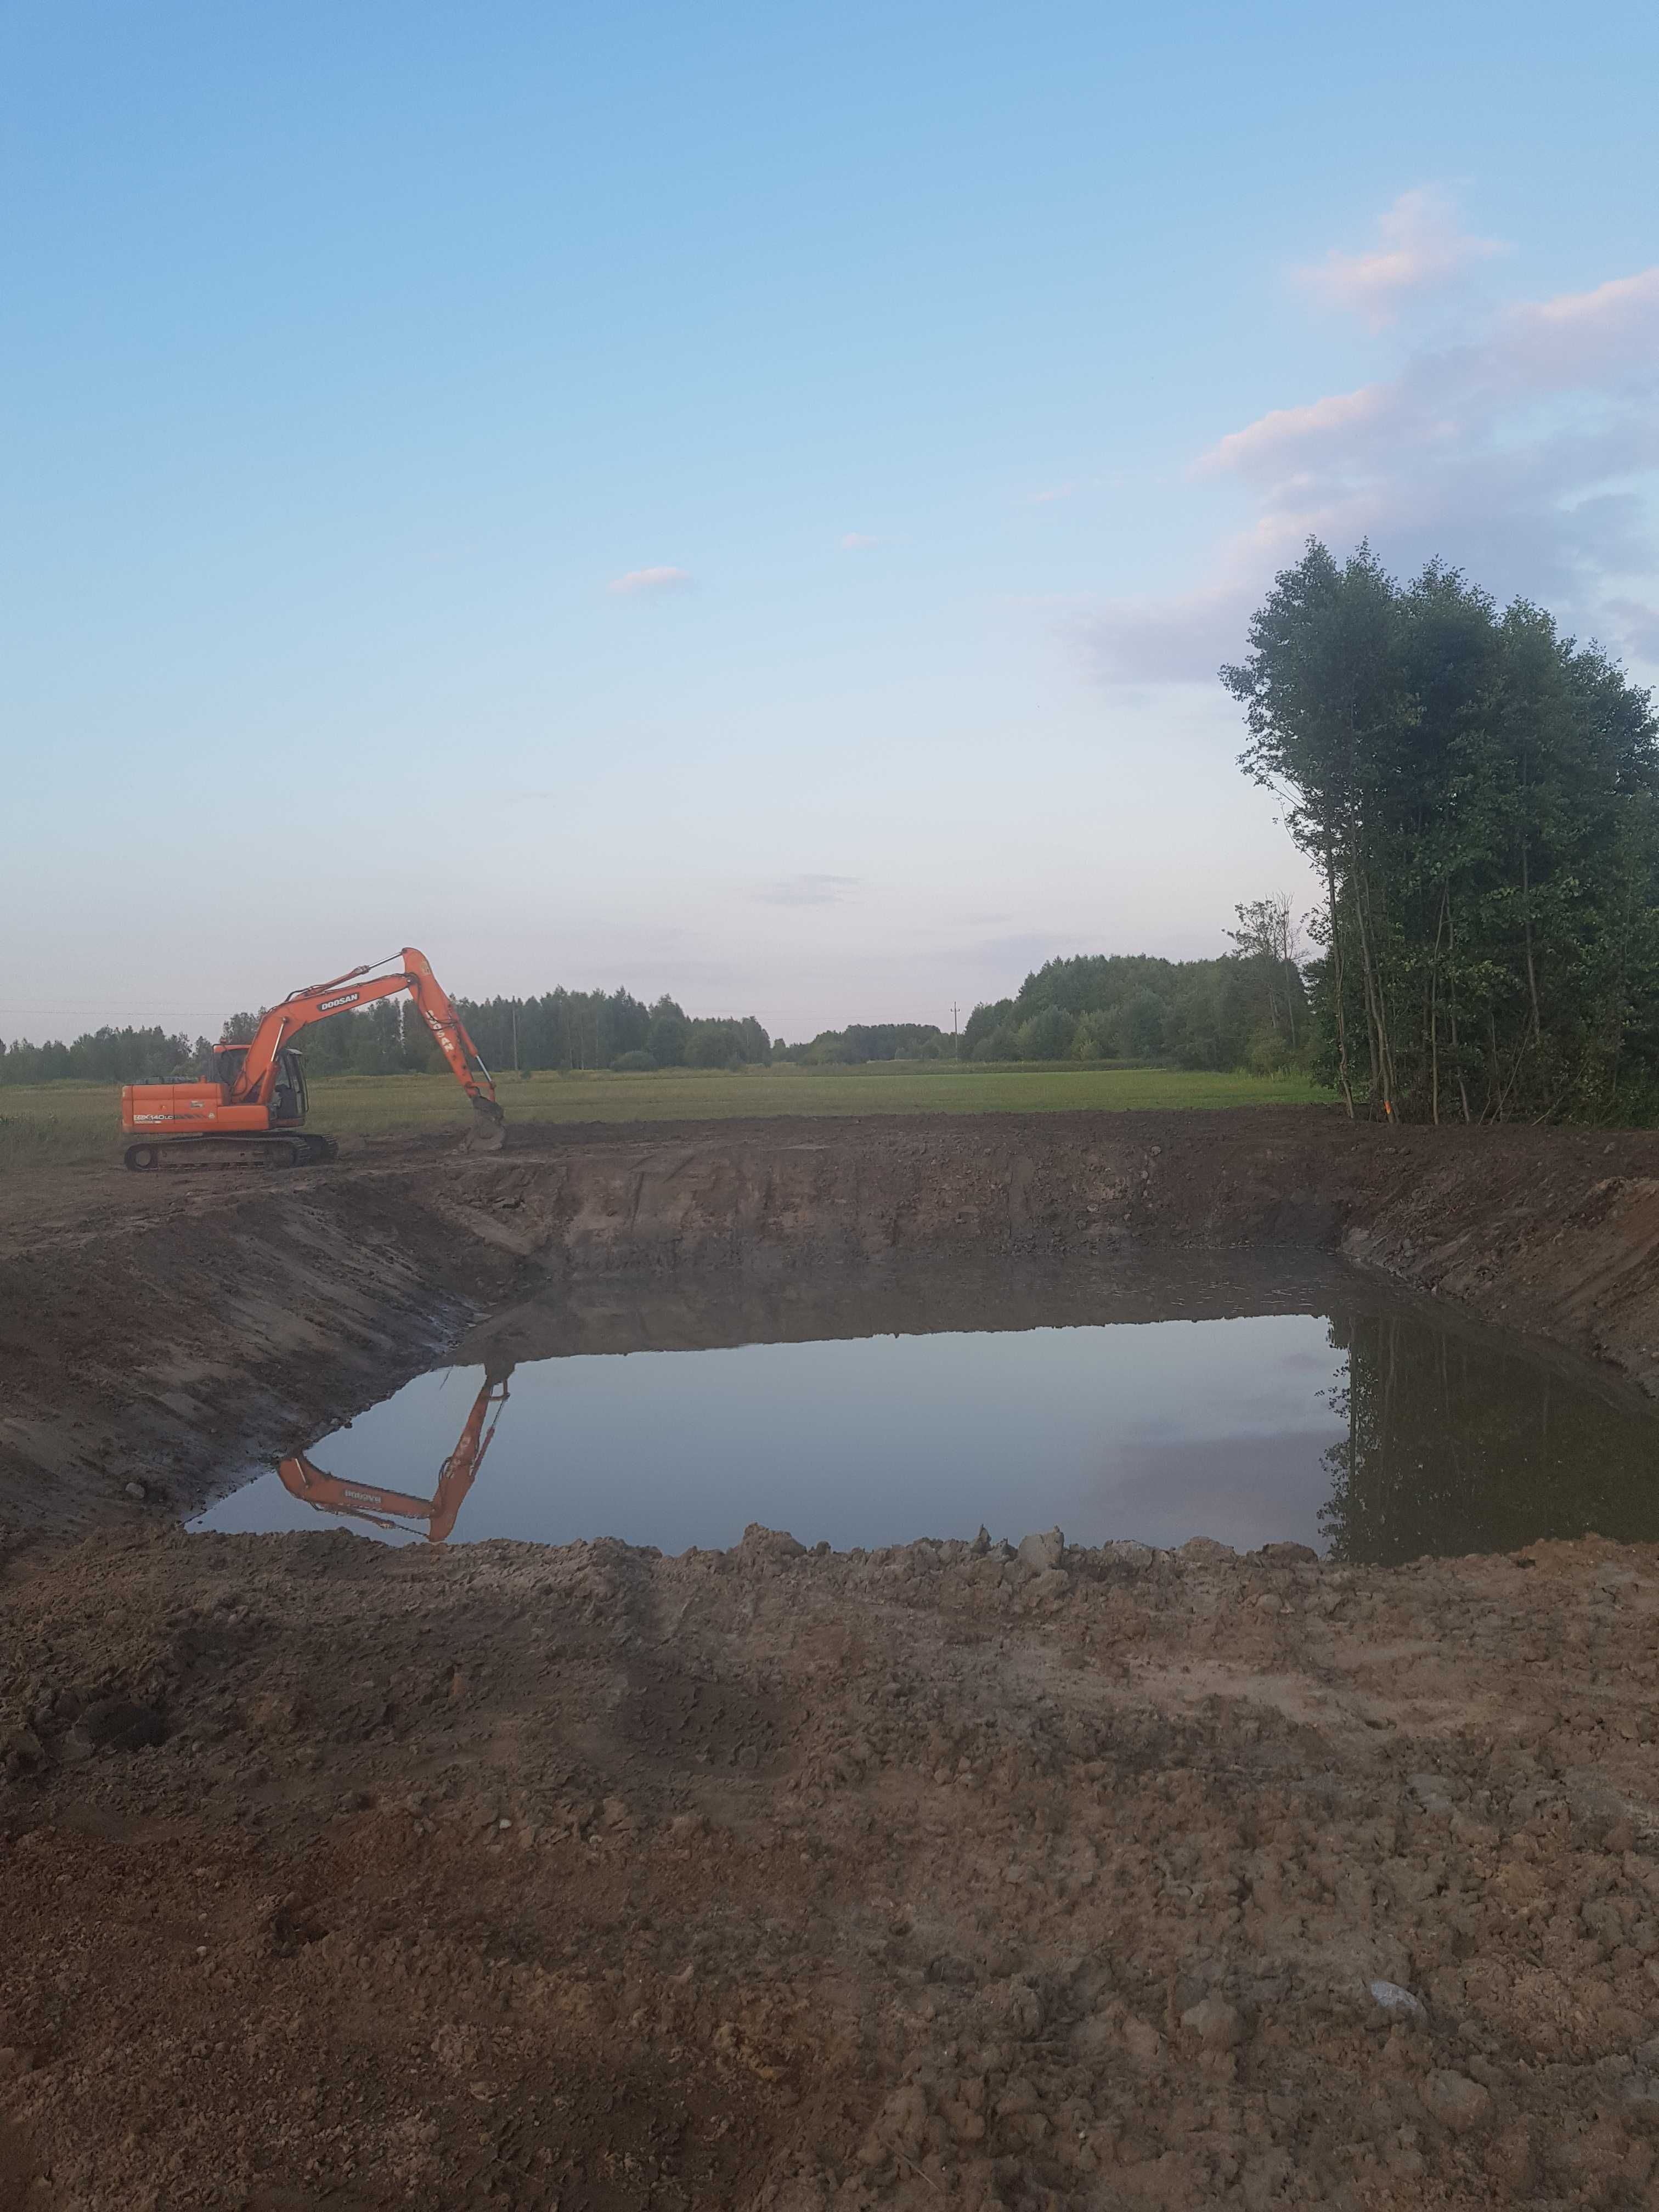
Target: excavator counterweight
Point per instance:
(252, 1107)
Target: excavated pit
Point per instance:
(1255, 1395)
(160, 1335)
(584, 1877)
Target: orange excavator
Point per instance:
(252, 1107)
(389, 1508)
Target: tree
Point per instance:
(1001, 1043)
(665, 1039)
(1047, 1036)
(1269, 941)
(1141, 1025)
(1481, 796)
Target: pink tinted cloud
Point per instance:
(1518, 454)
(1421, 247)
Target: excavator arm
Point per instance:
(387, 1508)
(255, 1081)
(252, 1109)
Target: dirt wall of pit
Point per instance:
(155, 1330)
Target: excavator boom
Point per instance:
(256, 1101)
(303, 1479)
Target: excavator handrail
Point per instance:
(310, 990)
(256, 1080)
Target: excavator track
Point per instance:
(247, 1109)
(170, 1155)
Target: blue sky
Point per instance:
(748, 502)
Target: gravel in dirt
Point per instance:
(335, 1876)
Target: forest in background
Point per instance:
(1247, 1009)
(1243, 1010)
(1479, 796)
(560, 1031)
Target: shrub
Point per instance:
(1001, 1044)
(632, 1063)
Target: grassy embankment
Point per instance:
(52, 1122)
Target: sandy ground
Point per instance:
(337, 1877)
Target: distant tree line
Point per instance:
(564, 1030)
(1248, 1008)
(575, 1029)
(1217, 1013)
(865, 1041)
(106, 1055)
(1480, 797)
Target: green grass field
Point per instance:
(52, 1122)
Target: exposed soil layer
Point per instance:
(162, 1329)
(333, 1875)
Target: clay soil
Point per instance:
(339, 1876)
(333, 1875)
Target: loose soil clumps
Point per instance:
(337, 1874)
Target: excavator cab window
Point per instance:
(288, 1100)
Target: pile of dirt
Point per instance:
(337, 1874)
(166, 1329)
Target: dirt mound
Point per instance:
(589, 1878)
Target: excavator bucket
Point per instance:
(488, 1131)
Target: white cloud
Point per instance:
(808, 891)
(1297, 431)
(1421, 247)
(856, 541)
(1637, 627)
(1517, 454)
(650, 580)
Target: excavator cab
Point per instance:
(290, 1100)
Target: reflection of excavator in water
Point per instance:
(252, 1107)
(390, 1508)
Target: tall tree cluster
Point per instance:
(1245, 1009)
(1479, 796)
(574, 1029)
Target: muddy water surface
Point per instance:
(1241, 1400)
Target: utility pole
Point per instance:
(953, 1017)
(515, 1036)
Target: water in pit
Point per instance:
(1246, 1401)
